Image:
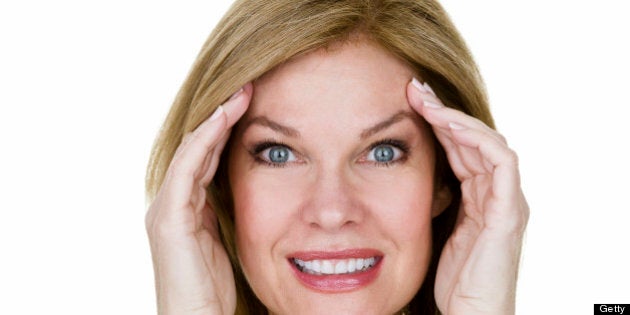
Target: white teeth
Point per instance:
(327, 267)
(336, 266)
(352, 265)
(369, 262)
(341, 267)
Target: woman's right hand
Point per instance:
(193, 274)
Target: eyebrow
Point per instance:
(291, 132)
(399, 116)
(275, 126)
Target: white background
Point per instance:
(84, 87)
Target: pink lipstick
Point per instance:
(338, 271)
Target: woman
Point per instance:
(333, 180)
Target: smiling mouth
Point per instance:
(337, 271)
(335, 266)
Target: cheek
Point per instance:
(259, 199)
(403, 205)
(403, 195)
(402, 208)
(262, 201)
(264, 207)
(401, 211)
(264, 210)
(256, 209)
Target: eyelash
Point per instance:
(401, 145)
(266, 144)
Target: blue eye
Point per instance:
(277, 155)
(384, 153)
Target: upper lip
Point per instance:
(339, 254)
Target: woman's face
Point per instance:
(332, 176)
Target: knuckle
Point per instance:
(526, 212)
(157, 230)
(511, 157)
(148, 221)
(152, 213)
(502, 138)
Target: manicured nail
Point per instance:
(216, 113)
(455, 126)
(236, 94)
(418, 85)
(432, 105)
(428, 88)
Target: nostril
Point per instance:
(333, 220)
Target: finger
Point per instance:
(464, 161)
(236, 106)
(501, 158)
(469, 152)
(472, 147)
(508, 210)
(212, 161)
(419, 97)
(187, 163)
(505, 212)
(234, 109)
(427, 95)
(453, 155)
(209, 218)
(186, 166)
(207, 170)
(491, 149)
(183, 143)
(210, 221)
(427, 104)
(448, 118)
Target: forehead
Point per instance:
(357, 80)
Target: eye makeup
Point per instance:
(258, 148)
(398, 144)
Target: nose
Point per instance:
(333, 202)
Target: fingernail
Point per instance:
(432, 105)
(455, 126)
(418, 85)
(236, 94)
(428, 88)
(216, 113)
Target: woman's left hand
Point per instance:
(478, 268)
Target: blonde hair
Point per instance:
(256, 36)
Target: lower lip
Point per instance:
(338, 283)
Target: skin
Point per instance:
(478, 268)
(342, 200)
(332, 196)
